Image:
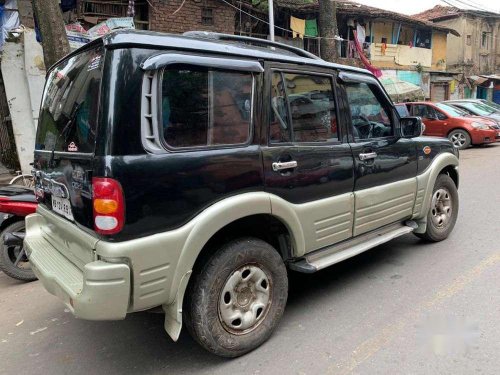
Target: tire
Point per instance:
(8, 255)
(23, 180)
(444, 197)
(234, 279)
(460, 139)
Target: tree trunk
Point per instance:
(328, 29)
(51, 25)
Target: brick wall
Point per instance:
(190, 16)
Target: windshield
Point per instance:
(493, 105)
(451, 111)
(476, 108)
(68, 113)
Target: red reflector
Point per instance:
(110, 191)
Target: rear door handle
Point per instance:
(279, 166)
(368, 156)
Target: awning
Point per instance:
(476, 80)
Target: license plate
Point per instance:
(62, 207)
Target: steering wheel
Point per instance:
(367, 123)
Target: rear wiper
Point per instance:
(63, 133)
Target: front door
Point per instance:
(308, 170)
(385, 164)
(434, 121)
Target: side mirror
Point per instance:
(411, 127)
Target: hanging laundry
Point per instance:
(383, 48)
(131, 8)
(298, 27)
(311, 28)
(361, 33)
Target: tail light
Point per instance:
(109, 205)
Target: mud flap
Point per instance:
(173, 312)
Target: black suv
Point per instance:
(189, 172)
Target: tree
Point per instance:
(328, 29)
(51, 25)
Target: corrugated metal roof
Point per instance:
(360, 10)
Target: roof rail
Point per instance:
(250, 40)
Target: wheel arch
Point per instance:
(444, 163)
(224, 221)
(460, 128)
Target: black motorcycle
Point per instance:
(16, 202)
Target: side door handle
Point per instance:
(279, 166)
(368, 156)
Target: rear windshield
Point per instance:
(68, 114)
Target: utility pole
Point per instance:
(271, 20)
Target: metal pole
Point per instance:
(271, 20)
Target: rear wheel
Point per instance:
(460, 139)
(236, 301)
(13, 259)
(443, 211)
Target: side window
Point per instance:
(424, 111)
(440, 115)
(203, 107)
(280, 129)
(306, 102)
(370, 119)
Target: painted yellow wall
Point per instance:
(439, 50)
(382, 30)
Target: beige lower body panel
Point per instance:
(382, 205)
(323, 222)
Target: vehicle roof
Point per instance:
(151, 39)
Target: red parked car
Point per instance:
(462, 129)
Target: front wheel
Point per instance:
(460, 139)
(443, 211)
(237, 299)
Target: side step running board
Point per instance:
(328, 256)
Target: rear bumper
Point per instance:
(99, 291)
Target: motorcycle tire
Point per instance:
(10, 254)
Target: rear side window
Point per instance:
(68, 113)
(306, 102)
(201, 107)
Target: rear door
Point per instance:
(385, 163)
(66, 136)
(306, 164)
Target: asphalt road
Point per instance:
(403, 308)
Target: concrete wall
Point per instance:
(382, 30)
(439, 51)
(24, 76)
(466, 53)
(189, 17)
(399, 56)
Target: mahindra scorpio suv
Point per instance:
(189, 172)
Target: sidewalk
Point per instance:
(5, 176)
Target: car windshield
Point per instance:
(451, 111)
(476, 108)
(493, 105)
